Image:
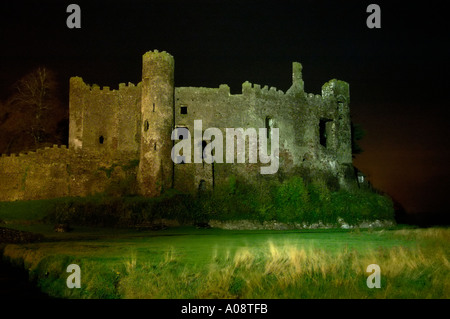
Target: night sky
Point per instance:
(397, 74)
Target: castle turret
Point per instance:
(339, 92)
(156, 167)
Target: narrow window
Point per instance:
(269, 126)
(203, 152)
(324, 131)
(146, 126)
(153, 107)
(203, 149)
(183, 109)
(101, 139)
(154, 146)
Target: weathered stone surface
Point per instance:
(59, 172)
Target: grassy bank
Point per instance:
(291, 202)
(212, 263)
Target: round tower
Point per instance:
(156, 167)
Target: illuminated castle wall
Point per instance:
(126, 134)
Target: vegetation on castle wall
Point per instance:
(293, 201)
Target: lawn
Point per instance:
(213, 263)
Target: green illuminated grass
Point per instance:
(213, 263)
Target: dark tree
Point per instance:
(32, 116)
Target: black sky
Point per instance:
(397, 74)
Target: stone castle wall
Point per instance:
(103, 119)
(59, 172)
(126, 134)
(297, 115)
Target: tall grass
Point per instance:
(292, 272)
(289, 271)
(274, 270)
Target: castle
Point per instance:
(125, 134)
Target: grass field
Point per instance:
(214, 263)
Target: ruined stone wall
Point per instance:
(58, 172)
(318, 153)
(104, 120)
(110, 129)
(104, 140)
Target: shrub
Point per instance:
(292, 201)
(232, 201)
(361, 205)
(101, 210)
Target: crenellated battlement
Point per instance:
(155, 55)
(78, 83)
(249, 88)
(223, 89)
(312, 96)
(44, 150)
(156, 52)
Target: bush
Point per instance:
(360, 205)
(294, 201)
(101, 210)
(233, 201)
